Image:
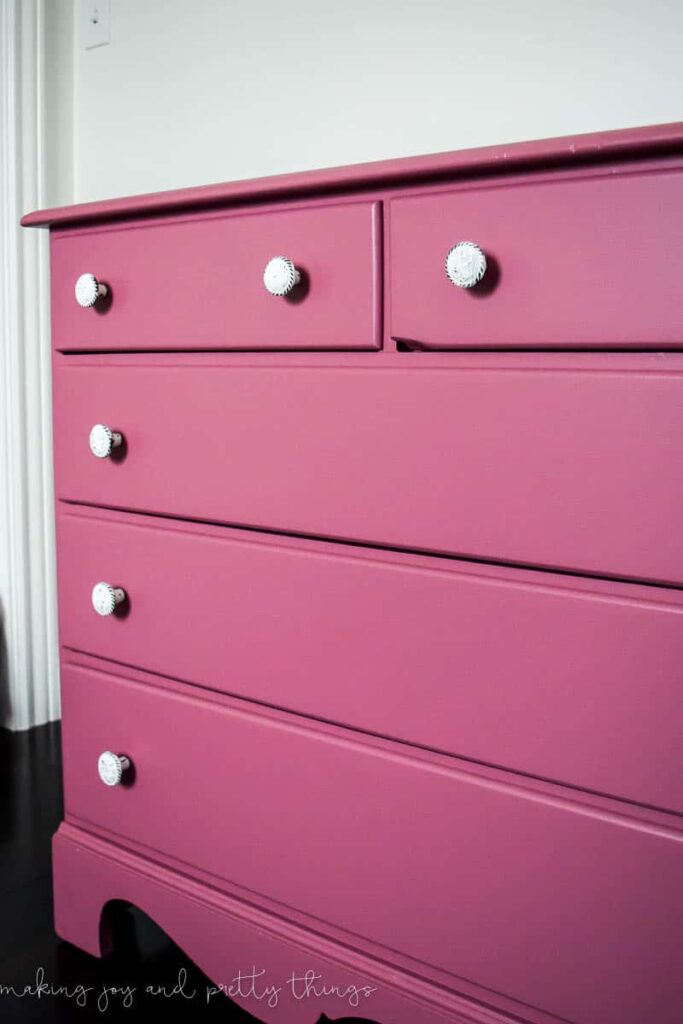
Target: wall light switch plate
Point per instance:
(95, 18)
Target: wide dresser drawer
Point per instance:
(517, 893)
(558, 467)
(591, 263)
(198, 282)
(569, 680)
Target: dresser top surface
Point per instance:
(631, 143)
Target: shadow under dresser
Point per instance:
(368, 492)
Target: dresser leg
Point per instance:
(80, 897)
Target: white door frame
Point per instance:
(29, 665)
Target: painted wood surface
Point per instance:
(230, 939)
(549, 676)
(529, 475)
(562, 469)
(198, 283)
(571, 264)
(519, 894)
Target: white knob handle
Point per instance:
(103, 440)
(89, 290)
(111, 767)
(280, 276)
(465, 265)
(105, 598)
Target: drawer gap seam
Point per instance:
(343, 542)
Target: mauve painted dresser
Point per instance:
(369, 496)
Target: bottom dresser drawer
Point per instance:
(573, 910)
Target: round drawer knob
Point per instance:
(89, 290)
(465, 265)
(280, 276)
(103, 440)
(111, 767)
(105, 598)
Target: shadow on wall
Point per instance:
(5, 708)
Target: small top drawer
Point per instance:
(198, 282)
(591, 263)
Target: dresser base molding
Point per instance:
(224, 936)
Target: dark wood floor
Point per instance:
(30, 811)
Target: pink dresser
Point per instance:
(369, 499)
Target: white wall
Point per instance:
(196, 91)
(58, 53)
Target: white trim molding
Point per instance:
(29, 667)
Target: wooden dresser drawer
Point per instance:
(558, 467)
(519, 894)
(568, 680)
(197, 282)
(592, 263)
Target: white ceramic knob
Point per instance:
(89, 290)
(465, 265)
(105, 598)
(280, 276)
(110, 767)
(103, 440)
